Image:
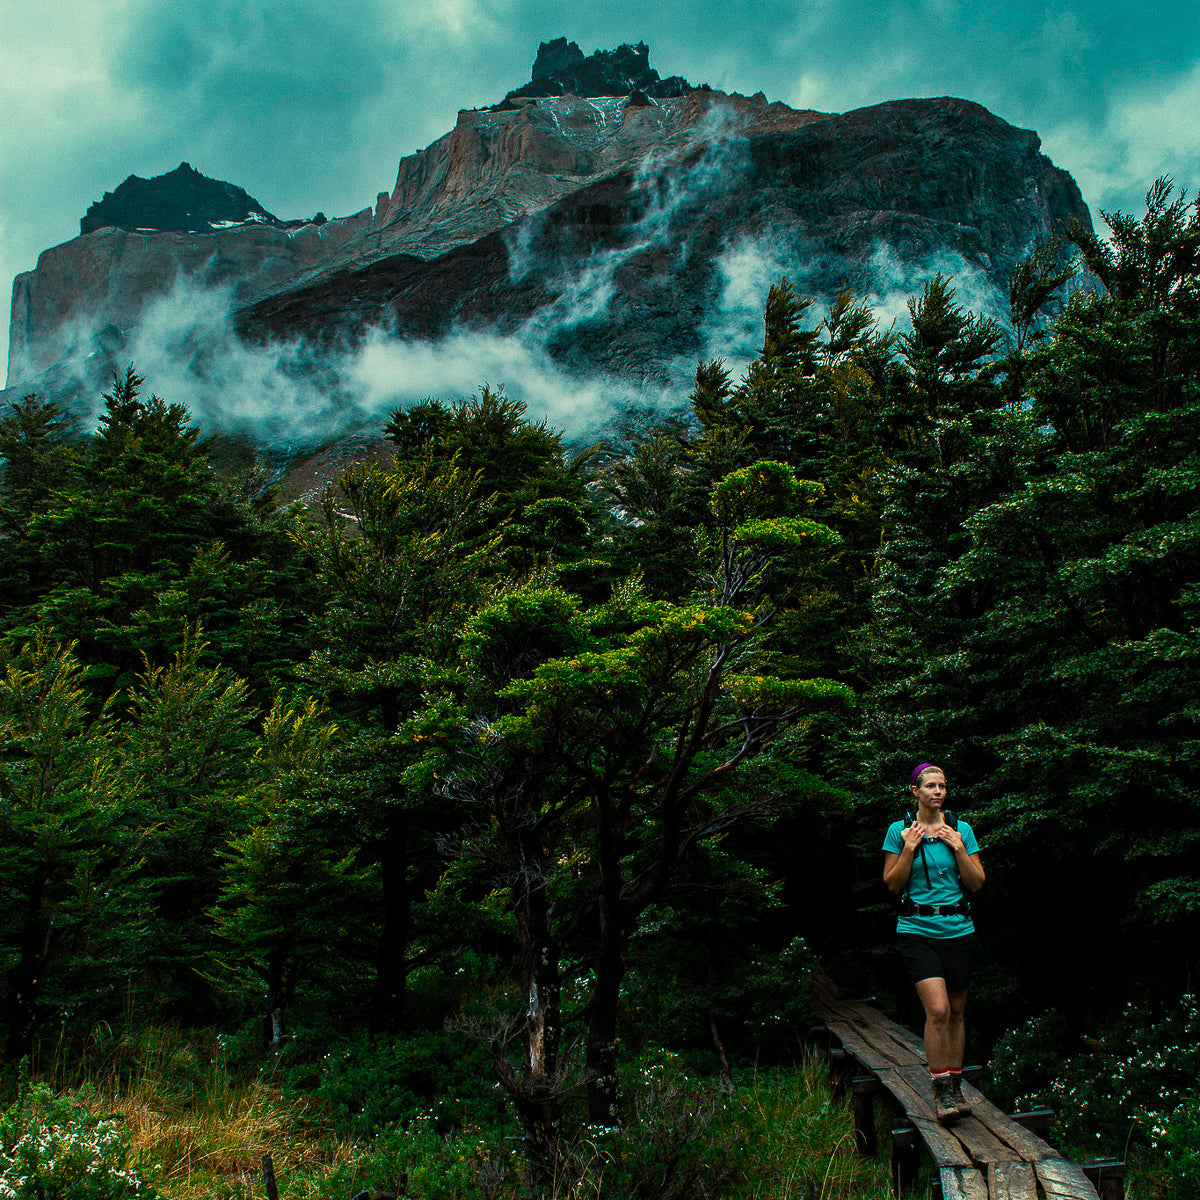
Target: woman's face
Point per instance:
(931, 791)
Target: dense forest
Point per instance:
(514, 764)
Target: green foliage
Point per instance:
(1131, 1084)
(51, 1149)
(71, 905)
(121, 540)
(687, 1142)
(1180, 1143)
(1150, 259)
(184, 756)
(291, 894)
(764, 490)
(367, 1087)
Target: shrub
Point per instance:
(1135, 1083)
(682, 1139)
(365, 1087)
(51, 1149)
(1180, 1138)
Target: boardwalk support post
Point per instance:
(1107, 1176)
(864, 1088)
(906, 1158)
(840, 1066)
(1036, 1120)
(268, 1167)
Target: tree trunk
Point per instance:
(604, 1100)
(24, 983)
(387, 1007)
(601, 1057)
(273, 1017)
(535, 1089)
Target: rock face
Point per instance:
(561, 69)
(614, 216)
(897, 190)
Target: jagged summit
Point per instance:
(561, 69)
(181, 201)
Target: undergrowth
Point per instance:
(186, 1120)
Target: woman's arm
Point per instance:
(896, 870)
(970, 870)
(898, 867)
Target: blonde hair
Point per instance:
(918, 776)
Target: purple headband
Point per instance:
(917, 772)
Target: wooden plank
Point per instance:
(943, 1145)
(904, 1037)
(1011, 1181)
(893, 1039)
(859, 1013)
(887, 1038)
(963, 1183)
(978, 1141)
(1027, 1145)
(981, 1144)
(881, 1040)
(1062, 1180)
(825, 988)
(1036, 1120)
(868, 1055)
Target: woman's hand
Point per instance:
(952, 838)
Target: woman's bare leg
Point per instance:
(945, 1031)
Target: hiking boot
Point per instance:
(955, 1096)
(943, 1104)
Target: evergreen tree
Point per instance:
(72, 908)
(37, 458)
(401, 568)
(292, 897)
(185, 751)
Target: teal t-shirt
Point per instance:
(942, 887)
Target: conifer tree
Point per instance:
(293, 898)
(72, 902)
(185, 756)
(37, 458)
(400, 567)
(596, 745)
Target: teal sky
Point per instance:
(309, 105)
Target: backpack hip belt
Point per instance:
(909, 909)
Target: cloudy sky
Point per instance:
(309, 104)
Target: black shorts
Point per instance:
(938, 958)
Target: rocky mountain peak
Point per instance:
(561, 68)
(182, 201)
(600, 222)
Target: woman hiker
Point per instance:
(932, 863)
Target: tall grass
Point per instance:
(204, 1128)
(805, 1144)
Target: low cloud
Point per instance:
(282, 396)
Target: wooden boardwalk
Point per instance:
(986, 1156)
